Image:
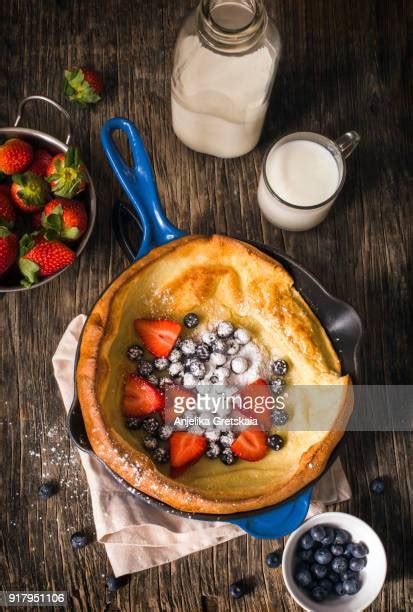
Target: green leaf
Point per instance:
(4, 231)
(26, 244)
(30, 270)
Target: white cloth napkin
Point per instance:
(136, 535)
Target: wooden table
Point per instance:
(344, 67)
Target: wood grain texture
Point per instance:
(345, 65)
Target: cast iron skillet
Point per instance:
(340, 320)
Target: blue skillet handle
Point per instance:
(138, 183)
(278, 522)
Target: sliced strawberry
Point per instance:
(250, 445)
(256, 403)
(140, 397)
(158, 336)
(176, 402)
(185, 449)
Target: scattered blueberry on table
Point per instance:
(328, 563)
(237, 589)
(47, 490)
(79, 540)
(377, 486)
(113, 584)
(273, 559)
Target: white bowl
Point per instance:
(372, 576)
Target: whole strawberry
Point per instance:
(42, 259)
(29, 191)
(36, 220)
(41, 161)
(66, 173)
(83, 85)
(7, 212)
(64, 218)
(15, 156)
(8, 249)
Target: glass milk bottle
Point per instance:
(226, 57)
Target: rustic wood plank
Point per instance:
(344, 66)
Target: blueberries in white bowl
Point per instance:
(327, 563)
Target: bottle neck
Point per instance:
(231, 26)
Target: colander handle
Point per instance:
(138, 183)
(49, 101)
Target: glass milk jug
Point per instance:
(226, 57)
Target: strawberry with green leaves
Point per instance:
(29, 191)
(9, 246)
(7, 212)
(63, 218)
(16, 155)
(66, 174)
(83, 85)
(40, 257)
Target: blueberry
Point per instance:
(165, 432)
(135, 352)
(214, 380)
(242, 336)
(323, 556)
(339, 589)
(150, 424)
(150, 442)
(342, 536)
(377, 486)
(348, 575)
(225, 329)
(227, 439)
(273, 559)
(133, 422)
(191, 320)
(275, 442)
(232, 347)
(279, 417)
(326, 584)
(318, 593)
(318, 533)
(212, 435)
(227, 456)
(213, 450)
(202, 351)
(306, 541)
(333, 577)
(219, 346)
(189, 381)
(153, 380)
(197, 368)
(359, 550)
(279, 367)
(329, 537)
(339, 564)
(357, 564)
(113, 584)
(239, 365)
(161, 363)
(306, 555)
(337, 550)
(277, 385)
(303, 578)
(145, 368)
(351, 587)
(79, 540)
(47, 489)
(160, 455)
(218, 359)
(175, 355)
(208, 337)
(237, 589)
(348, 551)
(319, 571)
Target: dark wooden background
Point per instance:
(344, 67)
